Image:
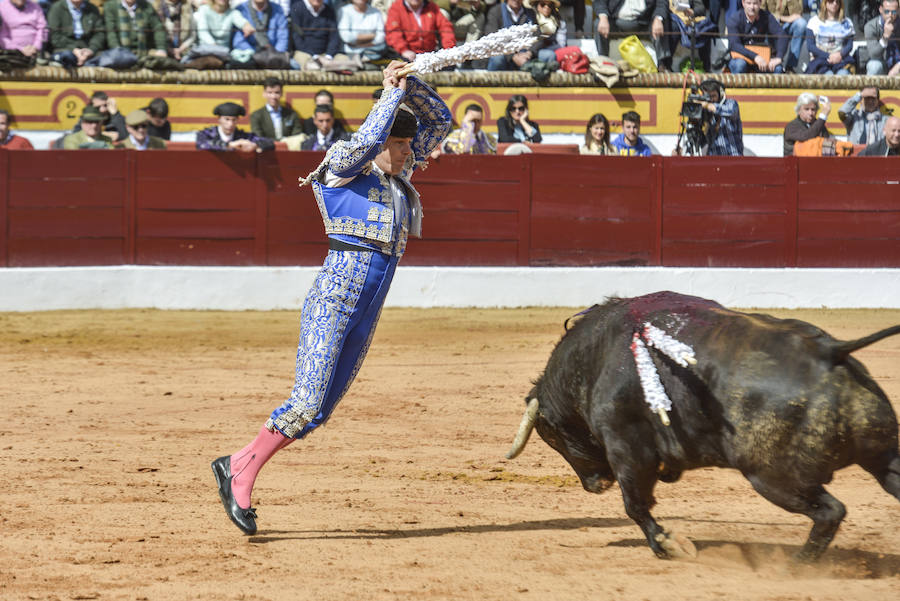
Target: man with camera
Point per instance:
(720, 129)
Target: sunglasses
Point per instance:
(141, 126)
(517, 109)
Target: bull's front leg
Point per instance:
(636, 468)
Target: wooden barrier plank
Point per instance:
(65, 222)
(564, 234)
(193, 194)
(461, 252)
(300, 253)
(714, 199)
(847, 253)
(627, 204)
(4, 203)
(65, 252)
(67, 192)
(62, 164)
(294, 229)
(492, 196)
(730, 253)
(723, 171)
(723, 226)
(193, 165)
(187, 251)
(855, 170)
(849, 196)
(470, 225)
(837, 225)
(225, 225)
(574, 257)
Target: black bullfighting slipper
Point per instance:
(245, 519)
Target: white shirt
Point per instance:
(275, 115)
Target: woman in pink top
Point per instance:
(24, 27)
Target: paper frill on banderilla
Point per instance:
(503, 41)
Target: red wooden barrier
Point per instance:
(204, 208)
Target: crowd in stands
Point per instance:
(765, 36)
(871, 128)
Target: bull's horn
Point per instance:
(525, 429)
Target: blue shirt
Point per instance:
(726, 132)
(276, 31)
(766, 31)
(623, 148)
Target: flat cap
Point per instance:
(92, 114)
(137, 117)
(229, 109)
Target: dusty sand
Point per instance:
(111, 420)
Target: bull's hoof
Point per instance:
(676, 546)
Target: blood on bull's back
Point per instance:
(640, 389)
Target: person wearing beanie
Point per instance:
(369, 208)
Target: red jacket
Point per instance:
(403, 32)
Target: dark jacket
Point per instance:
(494, 22)
(208, 139)
(309, 127)
(800, 131)
(765, 32)
(314, 35)
(62, 36)
(309, 143)
(879, 149)
(505, 130)
(261, 123)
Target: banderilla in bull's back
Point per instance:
(778, 399)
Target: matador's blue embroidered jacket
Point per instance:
(364, 211)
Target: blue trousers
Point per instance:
(338, 320)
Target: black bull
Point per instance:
(779, 400)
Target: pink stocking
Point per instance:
(246, 463)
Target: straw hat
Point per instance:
(533, 3)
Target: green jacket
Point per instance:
(80, 139)
(62, 36)
(261, 123)
(145, 32)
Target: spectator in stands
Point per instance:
(227, 136)
(596, 136)
(688, 19)
(756, 40)
(324, 97)
(503, 15)
(113, 121)
(633, 17)
(9, 140)
(471, 138)
(72, 46)
(138, 123)
(515, 126)
(276, 121)
(883, 40)
(551, 28)
(864, 125)
(23, 27)
(724, 129)
(889, 144)
(807, 125)
(90, 135)
(467, 17)
(578, 15)
(314, 31)
(629, 142)
(789, 13)
(177, 17)
(829, 38)
(216, 24)
(133, 31)
(417, 26)
(158, 113)
(326, 134)
(361, 29)
(271, 32)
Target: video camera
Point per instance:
(691, 109)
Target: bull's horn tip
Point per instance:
(691, 360)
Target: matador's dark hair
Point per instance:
(405, 125)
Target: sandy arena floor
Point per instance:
(111, 419)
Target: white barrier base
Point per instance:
(267, 288)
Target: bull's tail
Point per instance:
(525, 429)
(843, 349)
